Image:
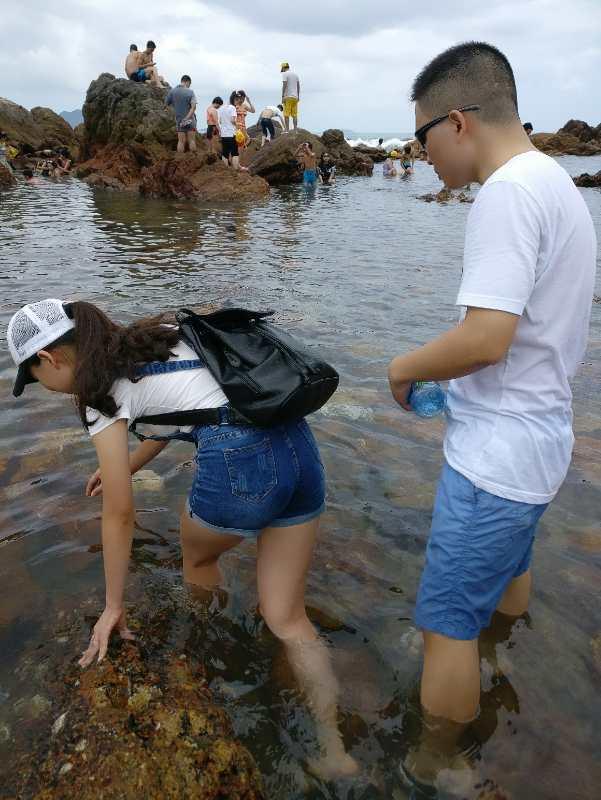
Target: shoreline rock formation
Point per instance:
(129, 144)
(576, 138)
(588, 181)
(35, 130)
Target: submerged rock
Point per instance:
(189, 175)
(377, 154)
(131, 731)
(444, 195)
(588, 181)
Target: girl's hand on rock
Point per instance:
(94, 485)
(109, 620)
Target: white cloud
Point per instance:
(356, 59)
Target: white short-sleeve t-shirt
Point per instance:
(530, 250)
(185, 390)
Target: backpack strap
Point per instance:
(201, 416)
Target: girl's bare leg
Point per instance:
(284, 555)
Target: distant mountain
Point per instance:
(72, 117)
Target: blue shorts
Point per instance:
(478, 543)
(310, 176)
(139, 76)
(248, 479)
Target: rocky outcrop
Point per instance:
(278, 164)
(588, 181)
(576, 138)
(189, 175)
(564, 144)
(581, 130)
(129, 140)
(38, 129)
(377, 154)
(7, 178)
(121, 112)
(445, 195)
(347, 160)
(141, 724)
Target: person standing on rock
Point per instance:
(267, 118)
(290, 95)
(183, 100)
(243, 106)
(213, 123)
(227, 127)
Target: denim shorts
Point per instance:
(248, 479)
(478, 543)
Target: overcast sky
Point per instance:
(356, 59)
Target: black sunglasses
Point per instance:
(420, 133)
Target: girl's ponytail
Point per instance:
(106, 351)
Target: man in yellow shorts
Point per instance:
(290, 95)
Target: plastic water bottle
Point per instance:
(427, 398)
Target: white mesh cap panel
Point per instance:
(22, 330)
(35, 326)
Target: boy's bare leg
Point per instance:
(181, 142)
(191, 141)
(295, 122)
(450, 685)
(514, 602)
(287, 123)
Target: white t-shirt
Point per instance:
(227, 121)
(530, 249)
(185, 390)
(292, 82)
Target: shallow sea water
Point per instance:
(362, 271)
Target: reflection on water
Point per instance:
(362, 271)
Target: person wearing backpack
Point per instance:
(266, 484)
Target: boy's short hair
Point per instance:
(133, 47)
(472, 73)
(150, 45)
(186, 79)
(280, 106)
(528, 126)
(218, 101)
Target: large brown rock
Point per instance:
(589, 181)
(377, 154)
(20, 126)
(55, 131)
(558, 144)
(121, 112)
(7, 178)
(115, 167)
(347, 160)
(581, 130)
(189, 175)
(37, 129)
(278, 164)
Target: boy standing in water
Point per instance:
(308, 159)
(526, 293)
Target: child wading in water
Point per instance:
(407, 160)
(262, 484)
(308, 159)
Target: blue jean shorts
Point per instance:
(478, 543)
(248, 479)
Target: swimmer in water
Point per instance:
(407, 160)
(388, 168)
